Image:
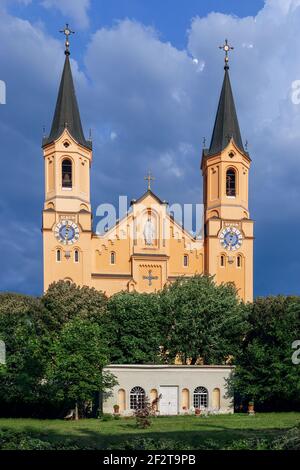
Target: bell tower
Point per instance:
(67, 218)
(228, 227)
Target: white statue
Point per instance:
(149, 232)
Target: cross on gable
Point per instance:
(150, 278)
(149, 178)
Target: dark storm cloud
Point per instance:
(149, 105)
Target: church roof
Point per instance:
(66, 115)
(226, 124)
(148, 193)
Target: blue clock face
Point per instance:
(231, 238)
(67, 232)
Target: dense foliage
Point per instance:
(136, 328)
(205, 323)
(265, 371)
(75, 371)
(52, 346)
(57, 345)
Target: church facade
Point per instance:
(147, 248)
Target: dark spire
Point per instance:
(226, 124)
(66, 115)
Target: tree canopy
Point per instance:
(75, 371)
(264, 368)
(136, 328)
(57, 345)
(205, 322)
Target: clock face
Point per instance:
(231, 238)
(66, 232)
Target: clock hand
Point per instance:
(67, 232)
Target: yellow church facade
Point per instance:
(147, 248)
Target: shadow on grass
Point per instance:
(216, 438)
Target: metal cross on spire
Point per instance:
(67, 32)
(149, 178)
(226, 48)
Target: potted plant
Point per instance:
(197, 411)
(116, 409)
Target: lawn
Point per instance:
(194, 431)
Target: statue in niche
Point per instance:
(149, 232)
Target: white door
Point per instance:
(168, 404)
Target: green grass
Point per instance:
(192, 430)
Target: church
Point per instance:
(147, 248)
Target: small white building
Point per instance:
(181, 388)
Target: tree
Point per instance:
(135, 328)
(265, 372)
(144, 414)
(75, 372)
(24, 326)
(31, 329)
(204, 321)
(65, 301)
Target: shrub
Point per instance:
(12, 440)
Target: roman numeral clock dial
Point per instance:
(231, 238)
(66, 232)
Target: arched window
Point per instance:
(137, 398)
(222, 261)
(185, 261)
(200, 398)
(66, 171)
(113, 258)
(239, 261)
(231, 182)
(76, 256)
(58, 256)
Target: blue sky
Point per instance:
(149, 105)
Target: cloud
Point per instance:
(142, 89)
(76, 10)
(149, 105)
(31, 68)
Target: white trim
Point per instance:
(163, 366)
